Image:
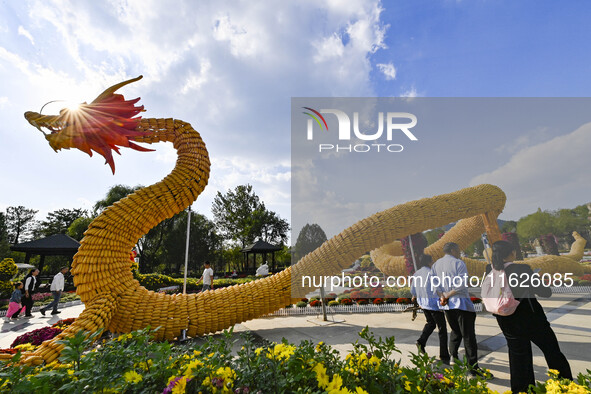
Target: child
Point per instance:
(15, 302)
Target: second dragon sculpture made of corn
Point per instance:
(115, 301)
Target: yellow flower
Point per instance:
(553, 373)
(132, 377)
(193, 365)
(26, 347)
(196, 352)
(180, 386)
(319, 346)
(335, 384)
(321, 375)
(359, 390)
(258, 351)
(407, 385)
(281, 352)
(210, 355)
(374, 361)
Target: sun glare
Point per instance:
(72, 106)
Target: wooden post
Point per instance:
(491, 227)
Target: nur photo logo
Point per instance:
(390, 125)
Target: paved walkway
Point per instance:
(569, 314)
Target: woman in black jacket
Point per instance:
(30, 287)
(528, 323)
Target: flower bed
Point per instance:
(36, 337)
(134, 363)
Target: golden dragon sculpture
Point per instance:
(114, 300)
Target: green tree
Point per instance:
(79, 226)
(149, 247)
(270, 227)
(114, 194)
(203, 243)
(535, 224)
(433, 236)
(19, 222)
(58, 222)
(311, 236)
(569, 220)
(241, 217)
(509, 226)
(4, 244)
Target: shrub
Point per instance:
(362, 301)
(333, 303)
(403, 300)
(302, 304)
(355, 295)
(584, 282)
(475, 300)
(315, 303)
(378, 301)
(345, 301)
(8, 270)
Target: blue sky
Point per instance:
(230, 69)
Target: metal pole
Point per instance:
(322, 298)
(187, 250)
(412, 253)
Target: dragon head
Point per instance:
(104, 125)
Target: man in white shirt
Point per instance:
(459, 308)
(207, 277)
(57, 286)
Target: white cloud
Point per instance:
(550, 175)
(412, 92)
(24, 32)
(3, 101)
(388, 70)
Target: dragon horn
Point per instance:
(109, 91)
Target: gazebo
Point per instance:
(262, 248)
(54, 245)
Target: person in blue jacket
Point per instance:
(425, 296)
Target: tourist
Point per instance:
(15, 306)
(30, 287)
(422, 290)
(207, 277)
(57, 287)
(459, 309)
(528, 323)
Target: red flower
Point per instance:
(378, 301)
(315, 303)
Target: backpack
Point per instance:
(496, 294)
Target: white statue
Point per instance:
(263, 270)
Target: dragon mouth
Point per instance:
(49, 122)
